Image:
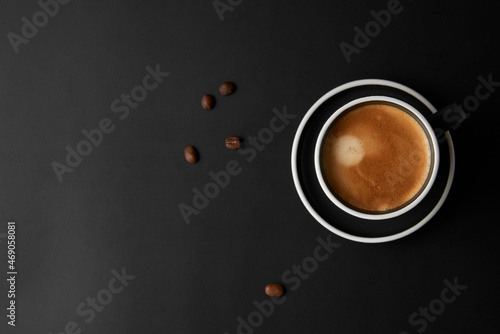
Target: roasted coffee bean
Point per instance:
(227, 88)
(191, 154)
(208, 102)
(274, 290)
(233, 143)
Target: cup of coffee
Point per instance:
(376, 157)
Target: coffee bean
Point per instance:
(233, 143)
(274, 290)
(227, 88)
(207, 102)
(191, 154)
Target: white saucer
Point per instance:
(424, 213)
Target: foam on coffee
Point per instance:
(348, 150)
(376, 157)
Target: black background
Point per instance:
(119, 207)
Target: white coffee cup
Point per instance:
(434, 157)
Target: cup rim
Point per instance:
(405, 208)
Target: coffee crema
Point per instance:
(376, 157)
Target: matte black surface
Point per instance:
(118, 210)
